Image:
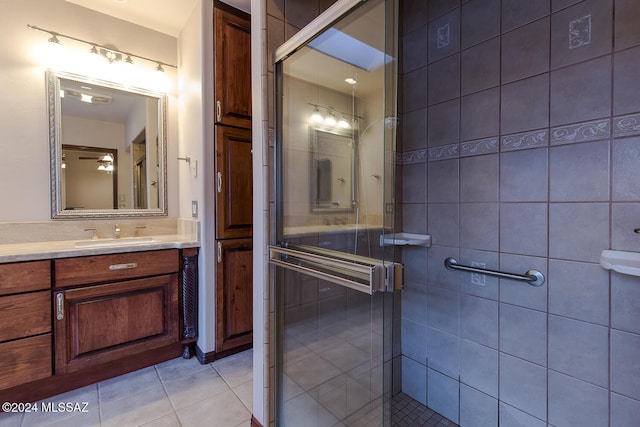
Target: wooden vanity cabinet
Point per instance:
(25, 322)
(126, 304)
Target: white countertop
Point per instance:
(16, 252)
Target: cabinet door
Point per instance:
(232, 45)
(234, 202)
(234, 294)
(99, 324)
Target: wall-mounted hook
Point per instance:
(376, 176)
(637, 230)
(186, 159)
(194, 165)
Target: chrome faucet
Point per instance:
(116, 232)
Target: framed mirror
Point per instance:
(108, 148)
(332, 170)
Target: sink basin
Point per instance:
(124, 241)
(621, 261)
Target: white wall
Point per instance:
(24, 137)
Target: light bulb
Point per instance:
(109, 168)
(101, 167)
(161, 81)
(107, 158)
(330, 120)
(316, 117)
(343, 123)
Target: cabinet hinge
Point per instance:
(60, 306)
(219, 251)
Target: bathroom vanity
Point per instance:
(72, 315)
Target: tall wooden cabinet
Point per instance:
(233, 176)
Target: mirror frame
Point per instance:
(54, 109)
(313, 144)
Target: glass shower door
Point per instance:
(334, 280)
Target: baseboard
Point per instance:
(205, 358)
(254, 422)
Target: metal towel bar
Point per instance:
(533, 277)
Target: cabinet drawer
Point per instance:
(25, 315)
(25, 360)
(103, 268)
(24, 276)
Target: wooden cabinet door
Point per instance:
(232, 44)
(102, 323)
(234, 294)
(234, 202)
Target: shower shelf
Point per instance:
(402, 239)
(621, 261)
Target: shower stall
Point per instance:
(334, 276)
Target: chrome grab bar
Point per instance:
(362, 274)
(533, 277)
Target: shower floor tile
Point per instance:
(407, 412)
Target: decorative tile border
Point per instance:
(626, 125)
(443, 152)
(521, 141)
(411, 157)
(581, 132)
(479, 146)
(443, 36)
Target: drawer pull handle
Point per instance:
(127, 266)
(60, 306)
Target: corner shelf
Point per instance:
(405, 239)
(621, 261)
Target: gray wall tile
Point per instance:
(443, 352)
(568, 223)
(525, 51)
(480, 115)
(443, 395)
(443, 181)
(414, 179)
(414, 380)
(481, 285)
(575, 403)
(414, 302)
(444, 35)
(580, 172)
(480, 21)
(479, 178)
(442, 310)
(625, 73)
(481, 66)
(579, 290)
(523, 385)
(414, 218)
(439, 7)
(512, 417)
(581, 32)
(626, 169)
(443, 224)
(624, 411)
(525, 105)
(413, 15)
(516, 13)
(479, 226)
(626, 23)
(519, 218)
(479, 367)
(590, 82)
(625, 302)
(520, 294)
(414, 259)
(479, 320)
(415, 90)
(414, 50)
(561, 4)
(444, 80)
(414, 130)
(438, 274)
(625, 369)
(444, 123)
(299, 13)
(579, 349)
(477, 409)
(523, 333)
(414, 340)
(524, 176)
(625, 219)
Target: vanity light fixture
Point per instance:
(316, 117)
(343, 123)
(331, 120)
(110, 54)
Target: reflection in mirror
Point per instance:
(332, 170)
(108, 148)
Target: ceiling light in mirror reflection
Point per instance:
(331, 118)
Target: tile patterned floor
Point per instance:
(177, 393)
(407, 412)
